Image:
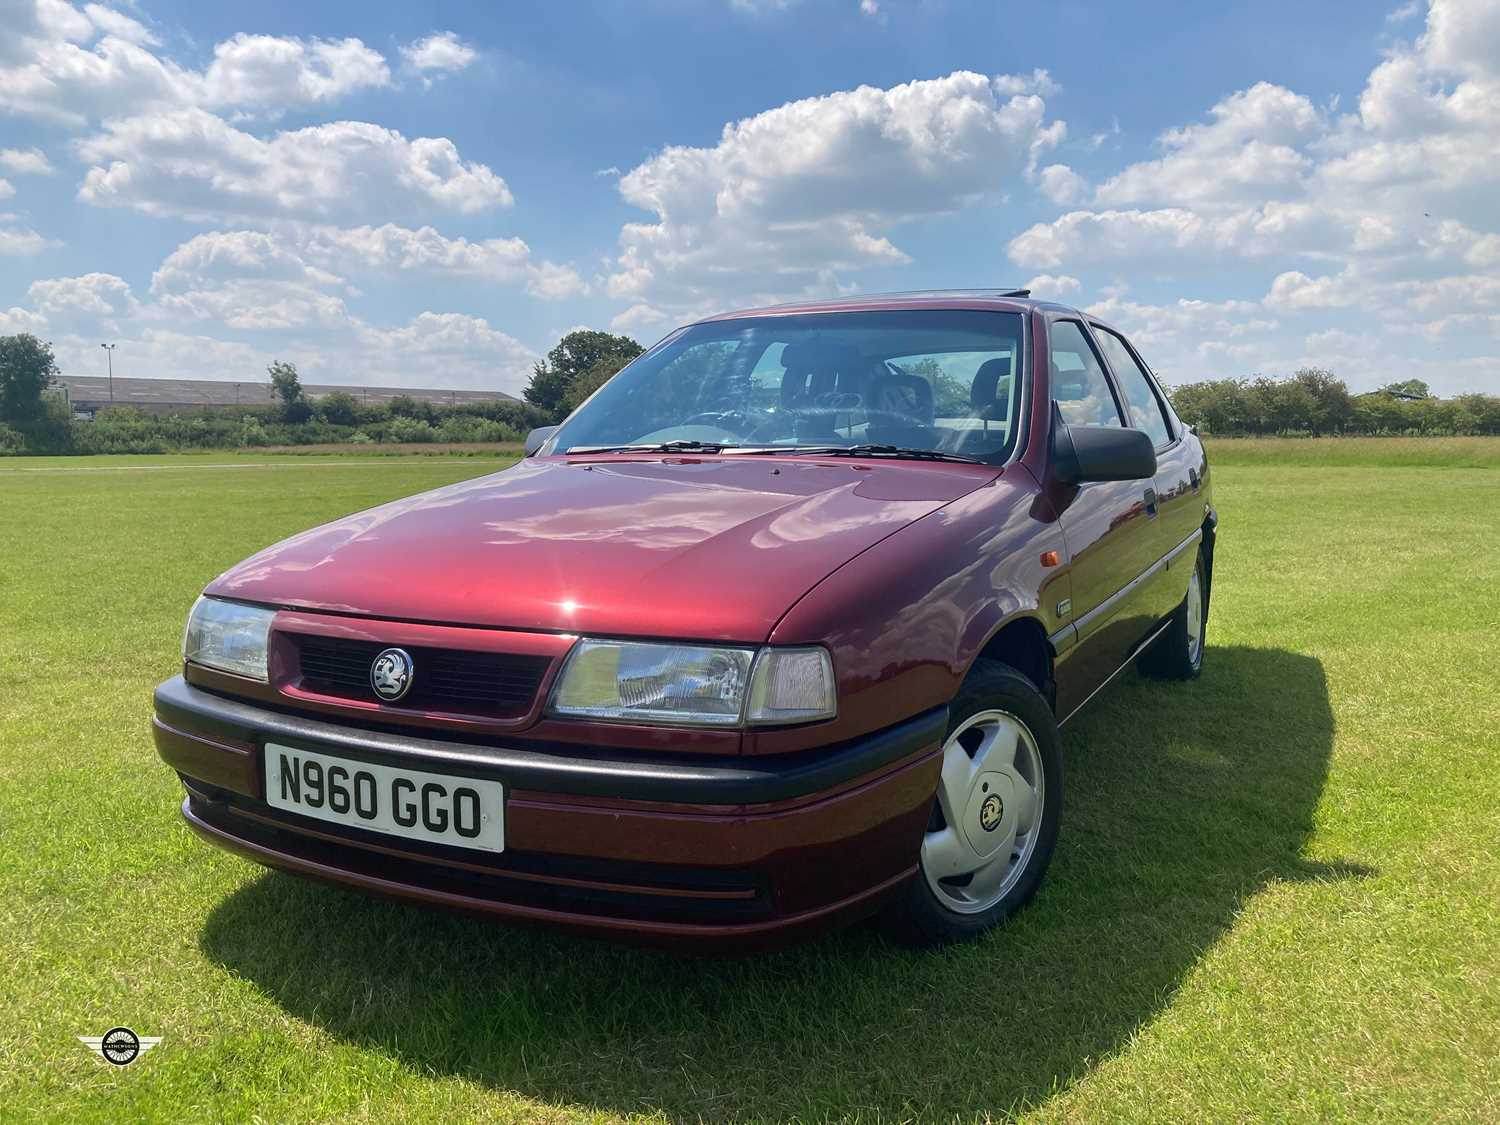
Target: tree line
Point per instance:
(35, 419)
(1312, 401)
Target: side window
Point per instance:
(1079, 386)
(1145, 408)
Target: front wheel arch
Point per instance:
(1021, 643)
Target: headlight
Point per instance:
(694, 685)
(228, 637)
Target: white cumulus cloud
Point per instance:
(89, 295)
(1053, 286)
(19, 240)
(1061, 184)
(1248, 151)
(395, 249)
(193, 164)
(16, 319)
(801, 194)
(441, 53)
(26, 161)
(267, 72)
(73, 65)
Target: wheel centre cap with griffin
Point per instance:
(991, 810)
(987, 813)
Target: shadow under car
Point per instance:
(1182, 801)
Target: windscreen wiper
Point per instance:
(899, 452)
(656, 447)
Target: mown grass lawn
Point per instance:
(1275, 895)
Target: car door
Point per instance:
(1109, 528)
(1179, 512)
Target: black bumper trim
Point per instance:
(615, 888)
(684, 779)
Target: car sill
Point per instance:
(1134, 652)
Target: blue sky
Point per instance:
(431, 194)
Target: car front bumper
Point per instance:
(736, 853)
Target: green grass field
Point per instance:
(1275, 894)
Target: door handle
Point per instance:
(1151, 501)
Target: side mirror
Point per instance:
(1087, 453)
(537, 436)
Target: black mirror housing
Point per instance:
(1093, 453)
(537, 436)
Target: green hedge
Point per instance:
(125, 429)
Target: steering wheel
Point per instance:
(725, 419)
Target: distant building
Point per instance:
(89, 393)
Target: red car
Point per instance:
(775, 631)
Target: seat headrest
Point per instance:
(814, 371)
(987, 382)
(1070, 384)
(815, 354)
(899, 394)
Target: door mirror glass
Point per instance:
(1090, 453)
(537, 436)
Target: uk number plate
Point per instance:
(436, 807)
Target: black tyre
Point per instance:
(1178, 653)
(995, 814)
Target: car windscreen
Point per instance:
(937, 380)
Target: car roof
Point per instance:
(998, 298)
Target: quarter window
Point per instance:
(1079, 386)
(1145, 408)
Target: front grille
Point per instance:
(444, 679)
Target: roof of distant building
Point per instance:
(94, 389)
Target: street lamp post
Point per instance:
(109, 352)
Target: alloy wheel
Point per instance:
(1195, 615)
(989, 812)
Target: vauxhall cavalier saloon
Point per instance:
(775, 631)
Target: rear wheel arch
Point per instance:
(1210, 533)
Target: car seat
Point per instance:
(984, 391)
(898, 409)
(820, 382)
